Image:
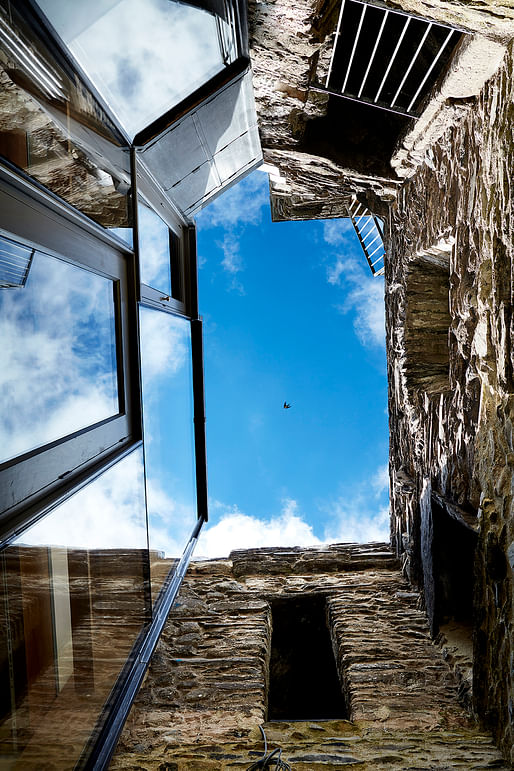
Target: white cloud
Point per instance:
(380, 481)
(239, 207)
(334, 271)
(357, 516)
(109, 513)
(353, 525)
(364, 298)
(335, 231)
(57, 362)
(236, 530)
(164, 343)
(231, 262)
(242, 204)
(171, 522)
(360, 514)
(164, 37)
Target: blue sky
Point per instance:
(291, 313)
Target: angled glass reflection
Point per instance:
(52, 128)
(74, 598)
(169, 442)
(58, 369)
(126, 46)
(154, 249)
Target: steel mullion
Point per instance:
(338, 32)
(379, 225)
(371, 228)
(386, 14)
(398, 12)
(362, 246)
(372, 242)
(381, 246)
(411, 65)
(431, 68)
(393, 58)
(395, 110)
(355, 42)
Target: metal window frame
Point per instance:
(98, 752)
(40, 479)
(146, 186)
(44, 30)
(148, 189)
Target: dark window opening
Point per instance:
(304, 684)
(448, 569)
(453, 554)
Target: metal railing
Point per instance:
(370, 233)
(387, 59)
(15, 262)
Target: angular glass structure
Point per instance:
(118, 120)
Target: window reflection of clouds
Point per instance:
(128, 49)
(107, 514)
(154, 250)
(168, 426)
(58, 359)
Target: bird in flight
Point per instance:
(287, 406)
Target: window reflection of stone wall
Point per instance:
(47, 135)
(69, 620)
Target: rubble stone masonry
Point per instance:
(206, 693)
(449, 297)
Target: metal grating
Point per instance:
(370, 233)
(15, 262)
(387, 59)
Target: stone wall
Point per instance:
(451, 438)
(290, 46)
(206, 692)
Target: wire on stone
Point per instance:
(273, 759)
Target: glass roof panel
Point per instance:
(143, 56)
(211, 147)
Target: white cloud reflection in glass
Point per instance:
(154, 249)
(168, 430)
(58, 357)
(144, 56)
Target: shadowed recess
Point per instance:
(304, 684)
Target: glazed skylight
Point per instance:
(143, 56)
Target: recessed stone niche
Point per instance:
(427, 319)
(304, 683)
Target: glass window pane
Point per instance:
(58, 369)
(144, 56)
(169, 442)
(53, 129)
(74, 599)
(154, 249)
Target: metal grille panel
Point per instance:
(370, 233)
(386, 58)
(15, 261)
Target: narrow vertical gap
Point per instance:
(304, 684)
